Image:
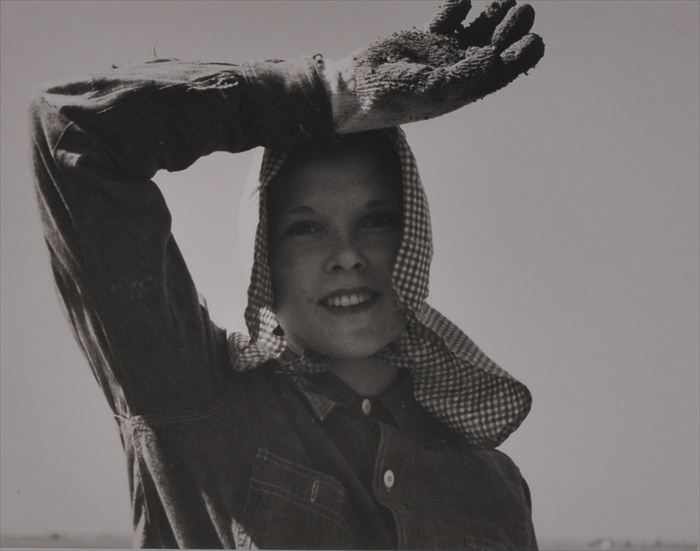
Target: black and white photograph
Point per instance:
(365, 274)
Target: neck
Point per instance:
(366, 376)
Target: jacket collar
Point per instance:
(326, 392)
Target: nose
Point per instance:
(345, 255)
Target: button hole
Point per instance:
(314, 491)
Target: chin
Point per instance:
(354, 348)
(345, 343)
(359, 352)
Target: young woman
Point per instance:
(352, 414)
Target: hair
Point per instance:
(375, 142)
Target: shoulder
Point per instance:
(502, 470)
(501, 462)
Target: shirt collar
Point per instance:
(324, 392)
(320, 404)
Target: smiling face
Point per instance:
(335, 230)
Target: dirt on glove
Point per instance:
(412, 46)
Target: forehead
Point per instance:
(340, 176)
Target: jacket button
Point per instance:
(366, 406)
(389, 479)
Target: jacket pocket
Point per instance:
(292, 505)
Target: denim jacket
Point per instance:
(218, 458)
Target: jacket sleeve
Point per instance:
(515, 513)
(97, 142)
(531, 544)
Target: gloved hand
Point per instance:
(420, 74)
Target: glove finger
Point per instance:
(449, 16)
(479, 31)
(523, 55)
(514, 26)
(465, 79)
(515, 60)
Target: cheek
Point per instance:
(293, 273)
(382, 253)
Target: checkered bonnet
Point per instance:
(452, 379)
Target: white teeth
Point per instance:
(348, 300)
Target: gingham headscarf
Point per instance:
(452, 379)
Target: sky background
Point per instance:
(565, 216)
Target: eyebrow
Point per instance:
(378, 203)
(302, 209)
(372, 204)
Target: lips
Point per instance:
(348, 298)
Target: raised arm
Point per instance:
(98, 141)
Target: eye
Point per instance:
(303, 227)
(382, 220)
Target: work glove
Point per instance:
(420, 74)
